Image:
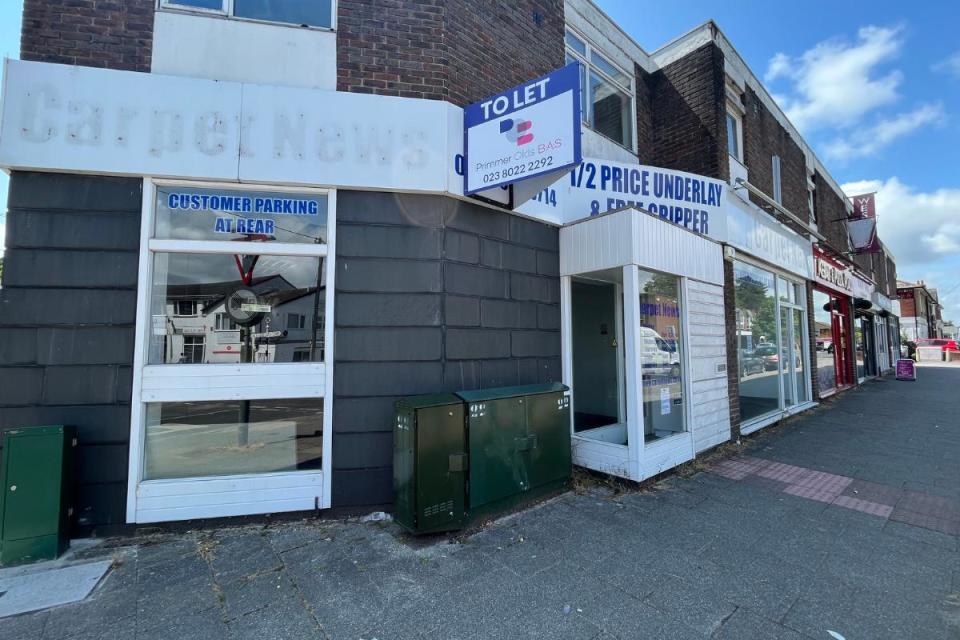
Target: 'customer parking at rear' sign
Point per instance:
(524, 132)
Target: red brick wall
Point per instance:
(392, 47)
(497, 44)
(455, 50)
(688, 128)
(831, 214)
(763, 138)
(112, 34)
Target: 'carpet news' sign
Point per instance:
(524, 132)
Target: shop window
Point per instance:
(202, 439)
(187, 213)
(777, 187)
(661, 355)
(318, 13)
(259, 295)
(607, 92)
(771, 341)
(757, 343)
(826, 341)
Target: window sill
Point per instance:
(207, 13)
(608, 138)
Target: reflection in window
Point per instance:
(757, 345)
(246, 309)
(606, 92)
(315, 13)
(186, 213)
(824, 309)
(610, 111)
(194, 439)
(661, 349)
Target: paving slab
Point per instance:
(841, 520)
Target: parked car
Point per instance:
(750, 362)
(768, 354)
(944, 343)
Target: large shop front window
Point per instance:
(661, 355)
(232, 352)
(771, 341)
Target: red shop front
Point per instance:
(833, 324)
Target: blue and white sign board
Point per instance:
(596, 186)
(529, 131)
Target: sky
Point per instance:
(874, 89)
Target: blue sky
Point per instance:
(875, 90)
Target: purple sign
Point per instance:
(906, 369)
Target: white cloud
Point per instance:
(950, 64)
(837, 82)
(921, 228)
(866, 141)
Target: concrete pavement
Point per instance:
(844, 520)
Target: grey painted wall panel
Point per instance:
(388, 310)
(514, 289)
(67, 309)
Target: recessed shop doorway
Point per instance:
(597, 318)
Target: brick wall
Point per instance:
(456, 50)
(831, 214)
(433, 294)
(763, 138)
(93, 33)
(645, 150)
(688, 129)
(733, 365)
(392, 48)
(495, 45)
(67, 312)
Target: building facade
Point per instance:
(225, 264)
(920, 313)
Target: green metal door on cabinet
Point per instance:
(35, 507)
(430, 463)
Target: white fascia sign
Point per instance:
(529, 131)
(757, 234)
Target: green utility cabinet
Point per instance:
(35, 505)
(430, 463)
(519, 442)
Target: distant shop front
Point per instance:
(833, 323)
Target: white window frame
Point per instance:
(226, 11)
(758, 422)
(631, 90)
(734, 113)
(777, 179)
(201, 497)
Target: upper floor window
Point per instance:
(316, 13)
(734, 136)
(607, 92)
(777, 189)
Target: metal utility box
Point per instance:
(519, 441)
(430, 463)
(36, 502)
